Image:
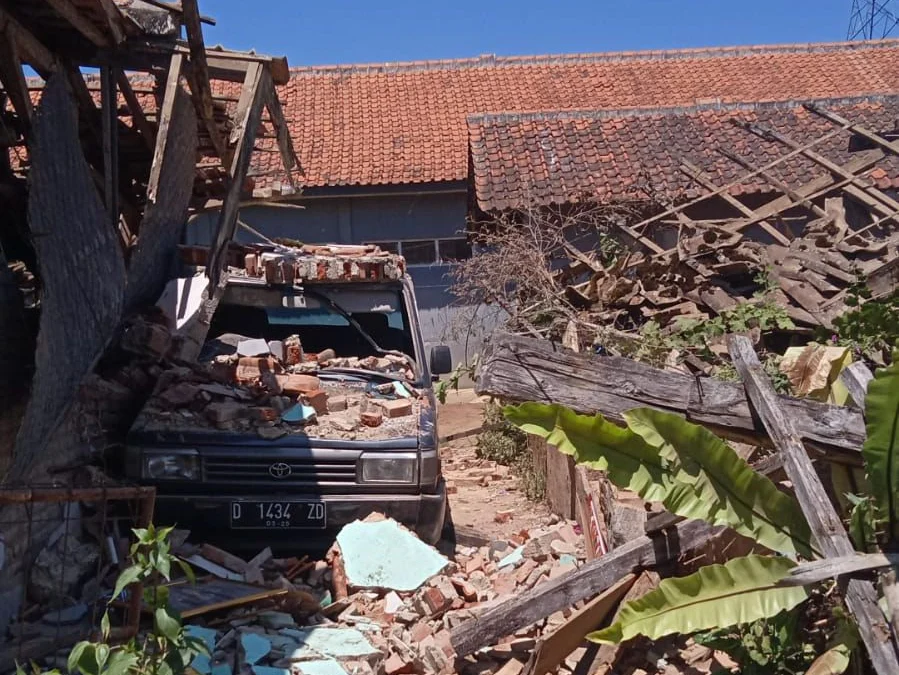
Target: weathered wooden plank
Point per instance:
(110, 120)
(589, 580)
(257, 87)
(856, 378)
(172, 84)
(890, 146)
(199, 76)
(164, 216)
(288, 156)
(827, 529)
(552, 650)
(830, 568)
(884, 280)
(141, 123)
(526, 369)
(31, 50)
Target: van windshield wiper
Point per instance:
(355, 324)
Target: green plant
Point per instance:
(167, 649)
(505, 444)
(664, 458)
(717, 595)
(870, 327)
(453, 379)
(765, 647)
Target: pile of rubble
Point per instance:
(712, 271)
(272, 388)
(384, 602)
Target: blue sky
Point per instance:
(341, 31)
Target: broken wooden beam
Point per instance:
(856, 378)
(172, 83)
(256, 89)
(827, 528)
(80, 21)
(589, 580)
(516, 368)
(199, 74)
(551, 651)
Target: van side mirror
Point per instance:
(441, 360)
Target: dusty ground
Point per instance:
(482, 488)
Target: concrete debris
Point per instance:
(384, 555)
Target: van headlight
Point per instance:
(389, 467)
(167, 465)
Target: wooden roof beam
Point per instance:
(871, 197)
(172, 83)
(79, 22)
(30, 50)
(142, 124)
(114, 20)
(705, 181)
(13, 78)
(890, 146)
(198, 78)
(285, 146)
(257, 89)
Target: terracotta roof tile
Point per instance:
(628, 155)
(400, 123)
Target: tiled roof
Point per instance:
(559, 157)
(406, 122)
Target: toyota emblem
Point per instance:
(279, 470)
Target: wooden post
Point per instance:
(825, 524)
(108, 101)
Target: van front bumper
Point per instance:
(208, 517)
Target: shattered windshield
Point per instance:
(319, 320)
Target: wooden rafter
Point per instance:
(30, 49)
(110, 121)
(164, 117)
(13, 78)
(776, 182)
(80, 22)
(114, 20)
(288, 156)
(890, 146)
(739, 181)
(257, 88)
(858, 189)
(198, 78)
(703, 179)
(141, 123)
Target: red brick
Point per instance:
(251, 368)
(318, 399)
(371, 418)
(420, 631)
(396, 665)
(299, 384)
(396, 408)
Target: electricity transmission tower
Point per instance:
(872, 19)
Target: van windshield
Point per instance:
(269, 314)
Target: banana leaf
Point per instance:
(729, 491)
(731, 494)
(881, 448)
(629, 461)
(717, 596)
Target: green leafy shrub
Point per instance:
(167, 649)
